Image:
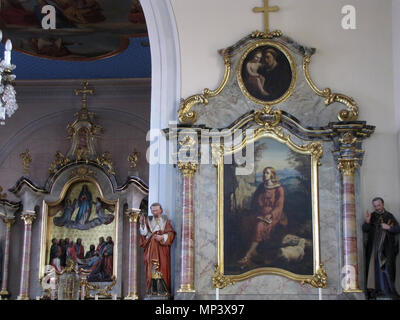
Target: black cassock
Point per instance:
(380, 254)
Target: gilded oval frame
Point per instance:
(293, 68)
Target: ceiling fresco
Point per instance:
(85, 30)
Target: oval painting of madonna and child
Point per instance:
(266, 74)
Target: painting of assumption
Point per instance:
(77, 213)
(82, 227)
(266, 74)
(268, 220)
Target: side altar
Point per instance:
(269, 169)
(77, 251)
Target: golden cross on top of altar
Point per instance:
(84, 91)
(266, 9)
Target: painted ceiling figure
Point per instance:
(14, 13)
(78, 11)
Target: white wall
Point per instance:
(357, 62)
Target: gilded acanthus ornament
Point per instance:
(348, 138)
(3, 196)
(26, 160)
(88, 286)
(133, 215)
(188, 116)
(28, 218)
(344, 115)
(8, 221)
(188, 169)
(267, 117)
(316, 149)
(319, 279)
(133, 158)
(106, 161)
(269, 35)
(348, 167)
(82, 172)
(105, 291)
(219, 280)
(59, 161)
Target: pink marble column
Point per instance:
(349, 237)
(133, 215)
(26, 256)
(188, 170)
(6, 256)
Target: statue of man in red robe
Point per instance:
(156, 237)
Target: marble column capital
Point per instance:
(28, 217)
(8, 221)
(348, 167)
(133, 215)
(188, 169)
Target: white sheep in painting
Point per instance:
(294, 253)
(293, 240)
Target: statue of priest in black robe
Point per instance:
(381, 229)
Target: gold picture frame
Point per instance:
(272, 132)
(266, 73)
(47, 234)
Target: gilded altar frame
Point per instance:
(44, 229)
(314, 150)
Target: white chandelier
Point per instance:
(8, 103)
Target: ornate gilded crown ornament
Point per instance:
(83, 131)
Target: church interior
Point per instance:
(199, 150)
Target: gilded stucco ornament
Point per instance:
(348, 167)
(105, 292)
(8, 221)
(59, 161)
(185, 112)
(348, 138)
(188, 169)
(133, 158)
(133, 215)
(87, 287)
(82, 173)
(219, 280)
(3, 196)
(268, 35)
(28, 218)
(350, 114)
(319, 280)
(105, 161)
(26, 160)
